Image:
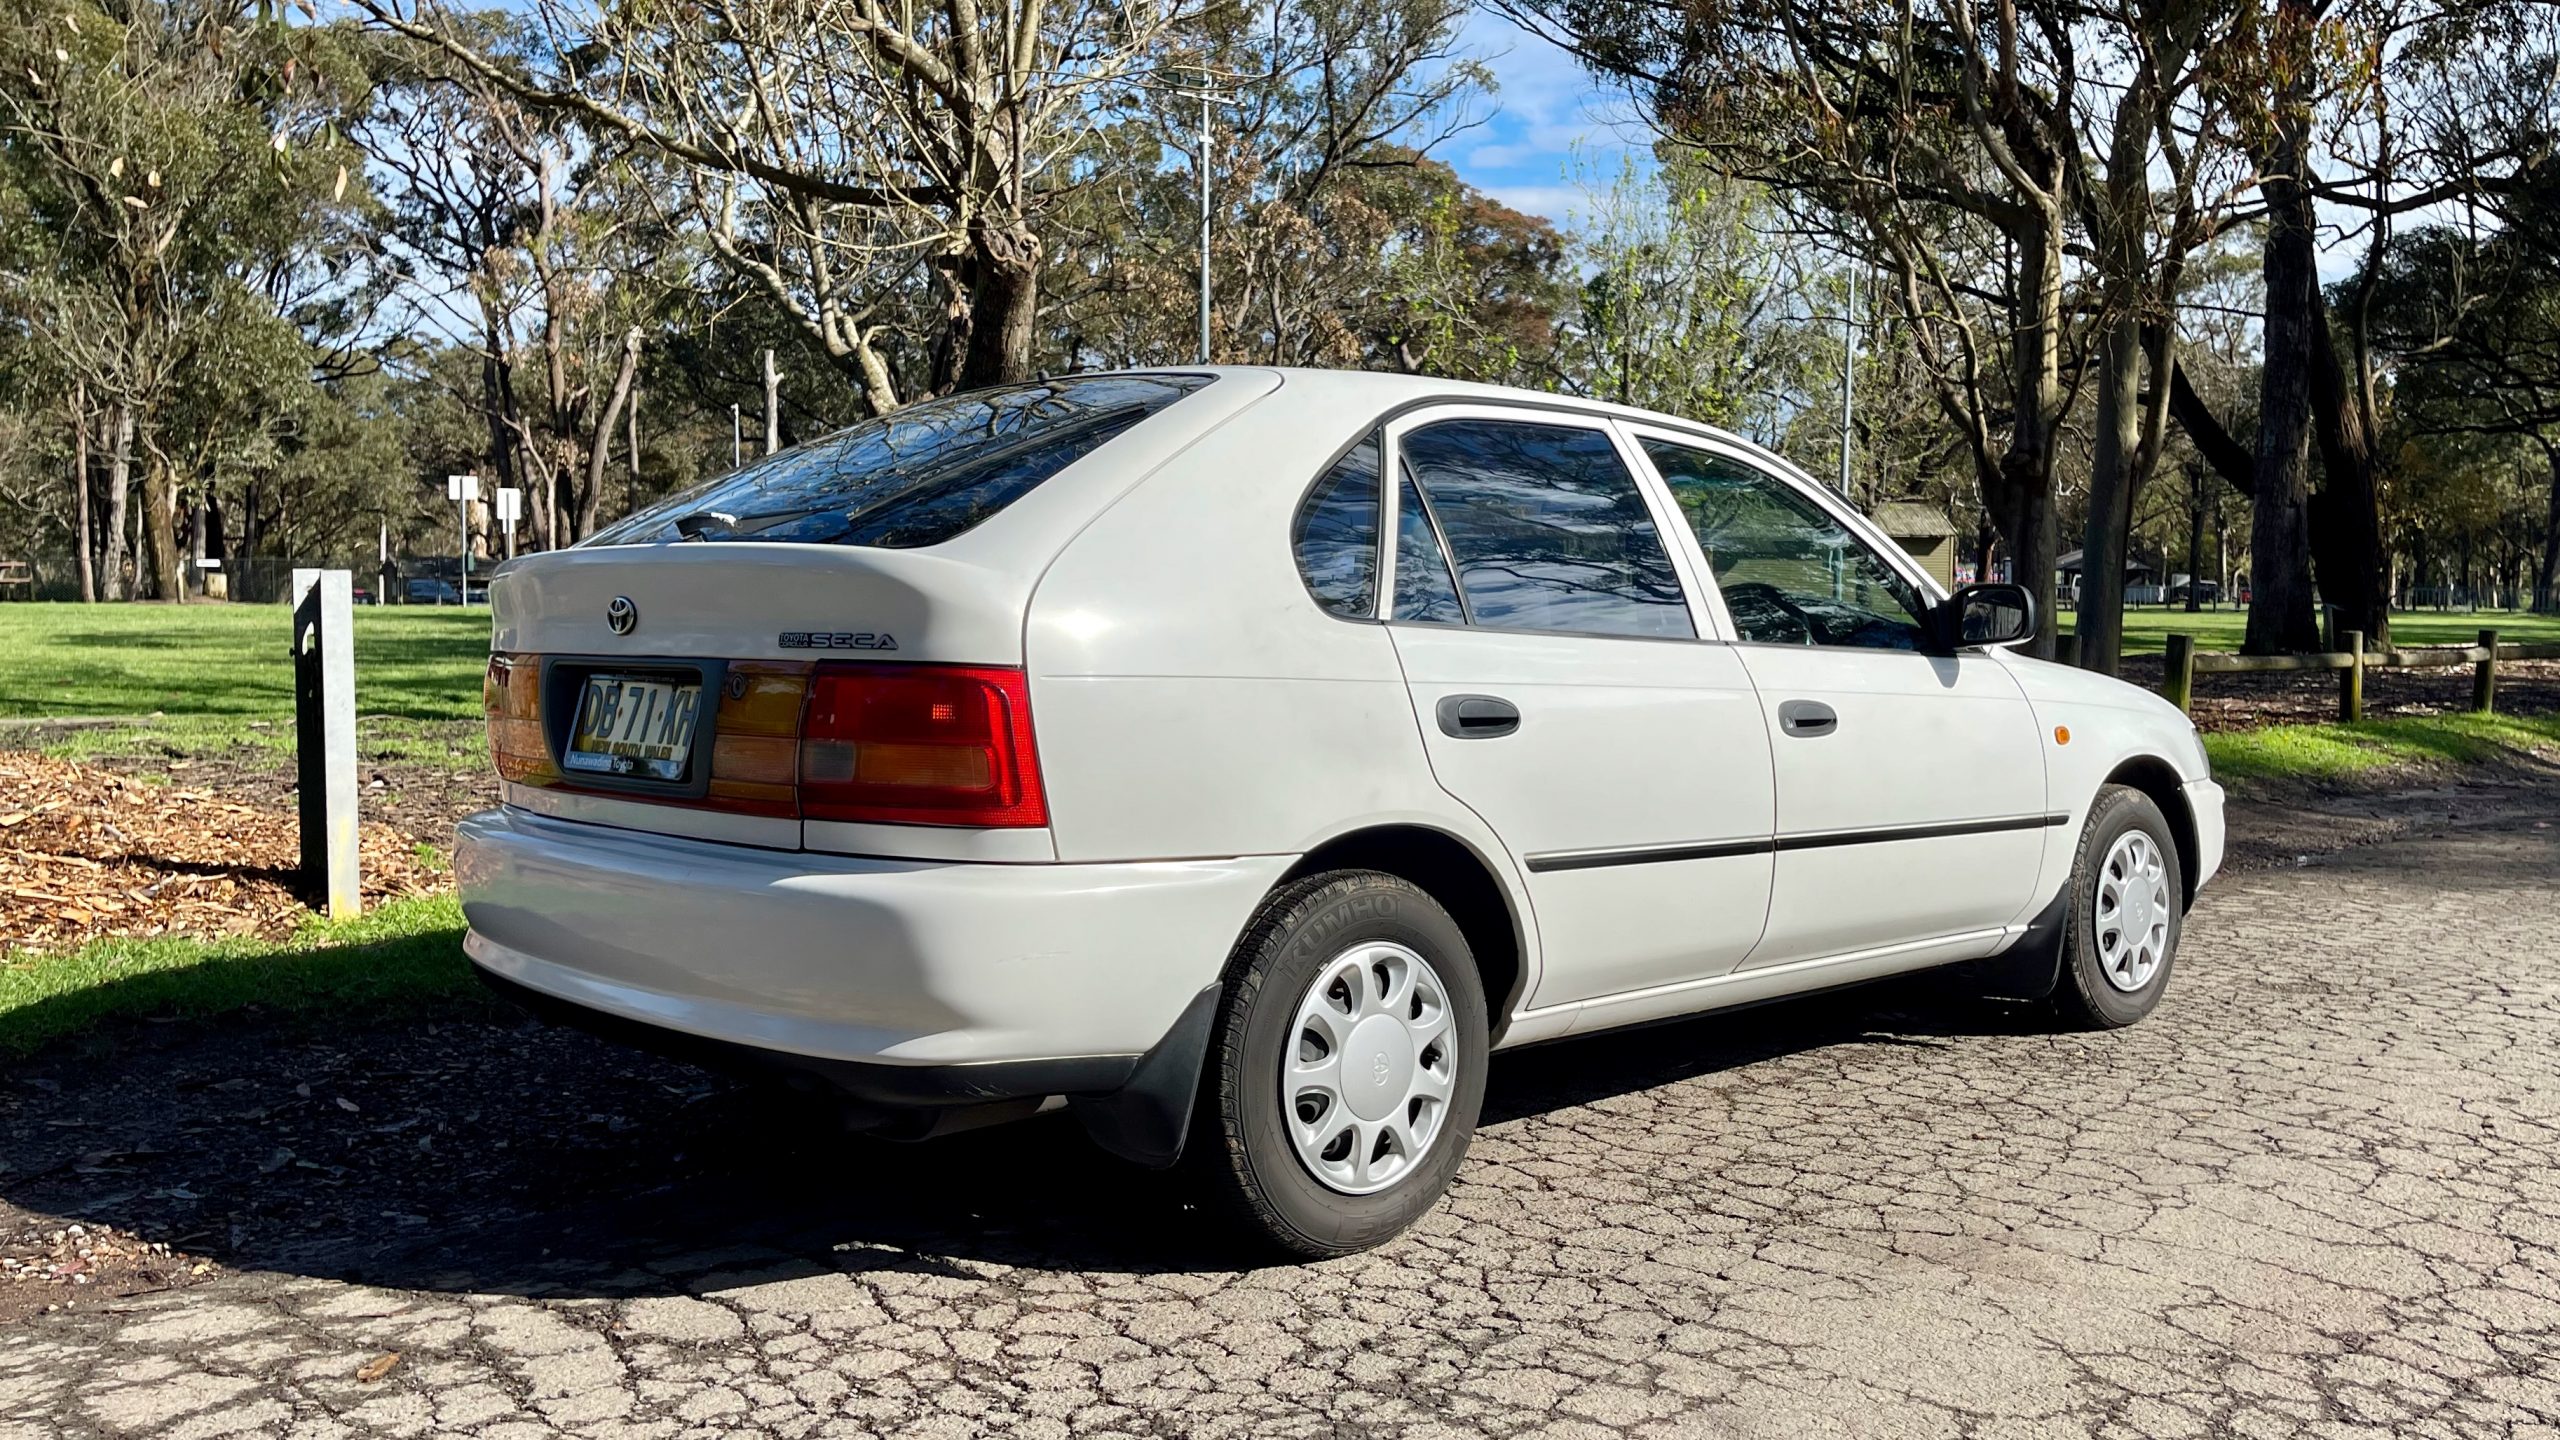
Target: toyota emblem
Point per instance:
(621, 615)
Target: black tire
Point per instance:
(2083, 997)
(1240, 1148)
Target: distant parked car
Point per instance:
(1238, 757)
(429, 590)
(2207, 592)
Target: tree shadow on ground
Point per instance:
(458, 1153)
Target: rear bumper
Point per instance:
(1059, 978)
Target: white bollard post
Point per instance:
(324, 739)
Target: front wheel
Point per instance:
(1347, 1064)
(2120, 935)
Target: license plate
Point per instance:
(634, 727)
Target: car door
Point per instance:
(1553, 650)
(1910, 781)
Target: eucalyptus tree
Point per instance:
(543, 252)
(170, 159)
(851, 158)
(1943, 146)
(1335, 235)
(1690, 305)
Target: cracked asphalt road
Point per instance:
(2315, 1194)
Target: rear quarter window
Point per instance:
(917, 476)
(1336, 537)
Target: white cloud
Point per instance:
(1552, 128)
(1563, 204)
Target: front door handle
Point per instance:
(1807, 718)
(1477, 717)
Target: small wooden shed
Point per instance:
(1925, 531)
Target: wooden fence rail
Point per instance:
(2178, 680)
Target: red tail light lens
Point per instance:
(920, 745)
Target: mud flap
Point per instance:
(1145, 1120)
(2030, 969)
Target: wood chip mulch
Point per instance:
(86, 852)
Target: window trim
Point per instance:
(1788, 477)
(1704, 622)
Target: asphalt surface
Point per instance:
(2316, 1193)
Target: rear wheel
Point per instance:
(1346, 1068)
(2120, 934)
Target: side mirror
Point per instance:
(1981, 616)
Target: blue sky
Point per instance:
(1549, 130)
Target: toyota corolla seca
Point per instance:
(1239, 757)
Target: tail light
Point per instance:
(920, 745)
(511, 693)
(884, 744)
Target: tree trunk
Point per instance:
(193, 574)
(2122, 228)
(119, 488)
(81, 539)
(598, 454)
(2195, 536)
(2099, 622)
(2280, 609)
(2027, 522)
(2546, 580)
(1003, 304)
(2021, 498)
(160, 529)
(2351, 557)
(772, 404)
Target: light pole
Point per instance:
(737, 441)
(1207, 97)
(510, 506)
(1849, 380)
(462, 490)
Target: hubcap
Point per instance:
(1371, 1064)
(2130, 915)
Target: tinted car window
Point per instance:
(1424, 590)
(1547, 529)
(917, 476)
(1337, 535)
(1790, 573)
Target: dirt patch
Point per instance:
(2310, 697)
(2290, 822)
(91, 853)
(420, 799)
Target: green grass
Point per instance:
(403, 957)
(219, 675)
(2340, 752)
(2147, 631)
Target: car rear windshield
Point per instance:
(917, 476)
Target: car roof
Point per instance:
(1389, 389)
(1378, 391)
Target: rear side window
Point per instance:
(917, 476)
(1547, 529)
(1337, 535)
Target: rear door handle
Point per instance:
(1807, 718)
(1477, 717)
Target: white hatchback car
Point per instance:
(1239, 757)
